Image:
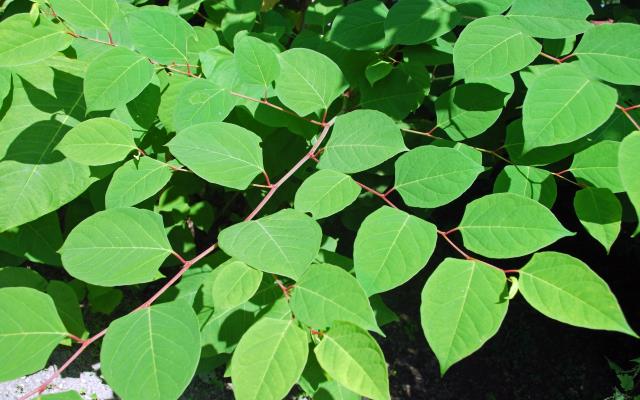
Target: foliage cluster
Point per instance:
(140, 146)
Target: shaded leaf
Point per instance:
(418, 21)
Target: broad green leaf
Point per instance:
(169, 98)
(431, 176)
(564, 105)
(283, 243)
(491, 47)
(376, 70)
(152, 353)
(354, 359)
(360, 26)
(22, 276)
(325, 193)
(119, 246)
(418, 21)
(37, 240)
(30, 329)
(597, 165)
(97, 141)
(468, 110)
(219, 152)
(506, 225)
(326, 294)
(66, 302)
(610, 53)
(230, 285)
(257, 62)
(600, 212)
(35, 178)
(480, 8)
(554, 19)
(103, 300)
(116, 77)
(534, 183)
(160, 35)
(87, 14)
(462, 308)
(332, 390)
(5, 83)
(268, 360)
(22, 43)
(629, 165)
(68, 395)
(361, 140)
(398, 94)
(202, 101)
(566, 289)
(390, 248)
(135, 181)
(309, 81)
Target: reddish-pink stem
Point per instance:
(455, 246)
(511, 271)
(274, 188)
(625, 111)
(383, 196)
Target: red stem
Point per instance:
(455, 246)
(307, 156)
(383, 196)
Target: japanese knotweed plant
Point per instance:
(219, 157)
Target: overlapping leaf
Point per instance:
(325, 193)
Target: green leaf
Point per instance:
(97, 141)
(152, 353)
(468, 110)
(66, 302)
(610, 53)
(68, 395)
(566, 289)
(600, 212)
(22, 43)
(481, 8)
(506, 225)
(119, 246)
(135, 181)
(398, 94)
(309, 81)
(30, 330)
(360, 26)
(361, 140)
(564, 105)
(231, 284)
(354, 359)
(283, 243)
(115, 77)
(629, 165)
(87, 14)
(219, 152)
(447, 175)
(257, 62)
(462, 308)
(534, 183)
(390, 248)
(201, 101)
(325, 193)
(5, 83)
(332, 390)
(597, 165)
(553, 19)
(418, 21)
(22, 276)
(34, 177)
(326, 294)
(160, 35)
(377, 69)
(37, 240)
(269, 360)
(491, 47)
